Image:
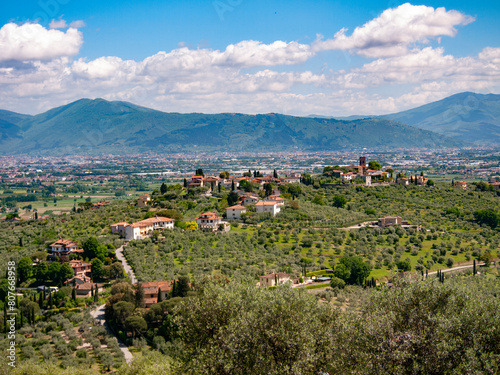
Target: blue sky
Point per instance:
(177, 55)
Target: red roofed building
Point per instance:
(80, 267)
(153, 288)
(210, 221)
(65, 248)
(275, 198)
(143, 228)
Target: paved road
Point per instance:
(98, 315)
(128, 269)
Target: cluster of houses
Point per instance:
(60, 251)
(234, 181)
(209, 221)
(493, 182)
(358, 172)
(417, 180)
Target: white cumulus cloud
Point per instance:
(395, 29)
(32, 41)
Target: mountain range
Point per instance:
(470, 117)
(99, 126)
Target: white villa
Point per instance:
(275, 198)
(266, 206)
(234, 212)
(210, 221)
(143, 228)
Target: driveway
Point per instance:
(126, 266)
(98, 315)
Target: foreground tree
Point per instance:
(239, 329)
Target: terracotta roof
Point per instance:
(86, 286)
(151, 221)
(237, 207)
(209, 218)
(150, 301)
(65, 243)
(84, 278)
(121, 223)
(265, 203)
(155, 284)
(78, 263)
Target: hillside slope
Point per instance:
(466, 116)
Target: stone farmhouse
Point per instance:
(274, 279)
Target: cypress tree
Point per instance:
(40, 301)
(474, 267)
(50, 300)
(96, 294)
(159, 296)
(174, 293)
(73, 294)
(92, 290)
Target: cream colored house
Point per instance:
(234, 212)
(272, 207)
(143, 228)
(274, 279)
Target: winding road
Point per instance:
(98, 315)
(126, 266)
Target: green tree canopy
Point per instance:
(25, 269)
(488, 217)
(359, 270)
(240, 329)
(92, 249)
(375, 165)
(339, 201)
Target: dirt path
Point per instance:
(456, 268)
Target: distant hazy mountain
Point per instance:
(98, 126)
(466, 116)
(9, 128)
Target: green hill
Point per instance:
(9, 129)
(466, 116)
(99, 126)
